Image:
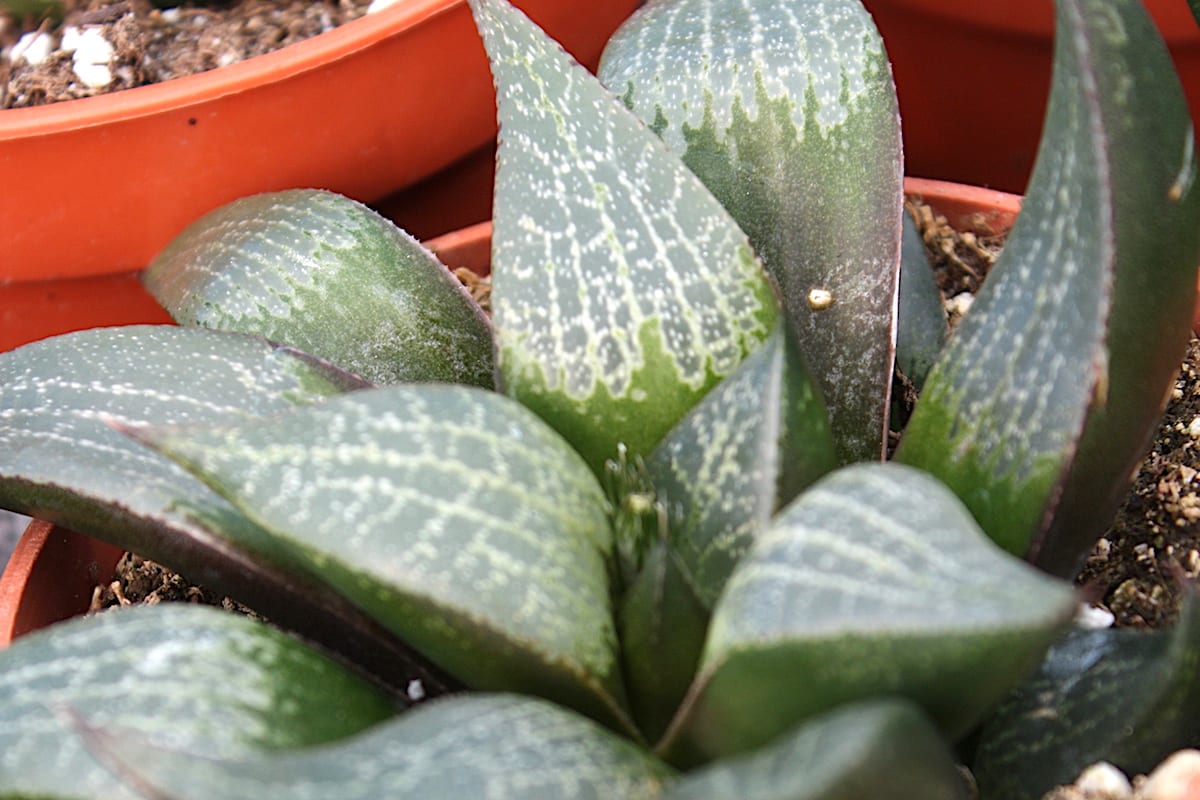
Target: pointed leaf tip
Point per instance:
(1050, 388)
(875, 581)
(788, 114)
(453, 516)
(330, 276)
(622, 290)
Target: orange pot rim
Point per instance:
(194, 90)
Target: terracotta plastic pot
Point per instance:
(51, 573)
(973, 79)
(99, 185)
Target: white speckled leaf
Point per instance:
(875, 581)
(749, 448)
(622, 290)
(452, 515)
(61, 460)
(881, 750)
(163, 673)
(787, 112)
(1045, 397)
(323, 273)
(1127, 696)
(493, 747)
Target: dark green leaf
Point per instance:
(921, 318)
(61, 460)
(1128, 697)
(1046, 396)
(323, 273)
(748, 448)
(452, 515)
(1195, 6)
(499, 747)
(787, 112)
(876, 581)
(211, 683)
(884, 750)
(662, 623)
(622, 290)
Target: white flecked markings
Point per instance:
(487, 746)
(1040, 405)
(453, 515)
(162, 674)
(328, 275)
(876, 581)
(616, 274)
(787, 112)
(60, 397)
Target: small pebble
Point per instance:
(415, 691)
(1093, 617)
(93, 53)
(1103, 781)
(960, 304)
(1177, 778)
(35, 47)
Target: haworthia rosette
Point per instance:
(452, 515)
(883, 750)
(622, 291)
(1045, 397)
(163, 673)
(876, 581)
(787, 112)
(328, 275)
(1126, 696)
(499, 747)
(61, 460)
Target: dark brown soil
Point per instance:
(151, 45)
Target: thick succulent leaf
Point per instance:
(920, 319)
(500, 747)
(622, 291)
(750, 447)
(60, 457)
(451, 514)
(876, 581)
(883, 750)
(61, 460)
(1046, 396)
(662, 624)
(1129, 697)
(787, 112)
(163, 673)
(328, 275)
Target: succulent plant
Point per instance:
(659, 557)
